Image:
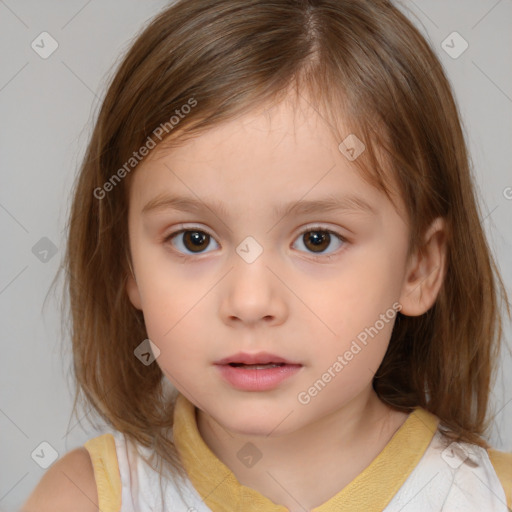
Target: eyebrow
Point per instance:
(349, 203)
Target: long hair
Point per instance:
(369, 72)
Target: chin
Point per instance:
(259, 422)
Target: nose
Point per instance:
(252, 294)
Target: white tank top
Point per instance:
(458, 478)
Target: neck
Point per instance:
(331, 452)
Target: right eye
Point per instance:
(193, 240)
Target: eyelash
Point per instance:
(309, 229)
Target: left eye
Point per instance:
(194, 240)
(318, 239)
(315, 239)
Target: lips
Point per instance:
(256, 372)
(260, 358)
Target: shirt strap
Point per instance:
(102, 450)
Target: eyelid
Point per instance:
(319, 227)
(183, 227)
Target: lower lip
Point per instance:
(248, 379)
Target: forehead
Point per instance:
(270, 156)
(281, 127)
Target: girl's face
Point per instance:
(225, 265)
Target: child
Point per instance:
(277, 194)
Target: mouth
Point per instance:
(256, 366)
(256, 372)
(260, 360)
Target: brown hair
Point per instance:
(362, 63)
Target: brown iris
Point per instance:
(319, 239)
(196, 241)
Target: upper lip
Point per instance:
(257, 358)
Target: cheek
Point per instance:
(170, 317)
(345, 367)
(182, 340)
(359, 343)
(176, 317)
(356, 296)
(357, 308)
(167, 294)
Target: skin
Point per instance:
(291, 301)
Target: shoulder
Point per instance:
(69, 484)
(502, 464)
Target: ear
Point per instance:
(132, 289)
(425, 272)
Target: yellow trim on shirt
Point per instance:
(502, 463)
(371, 490)
(102, 450)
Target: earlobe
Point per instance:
(426, 271)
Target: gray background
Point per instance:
(47, 107)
